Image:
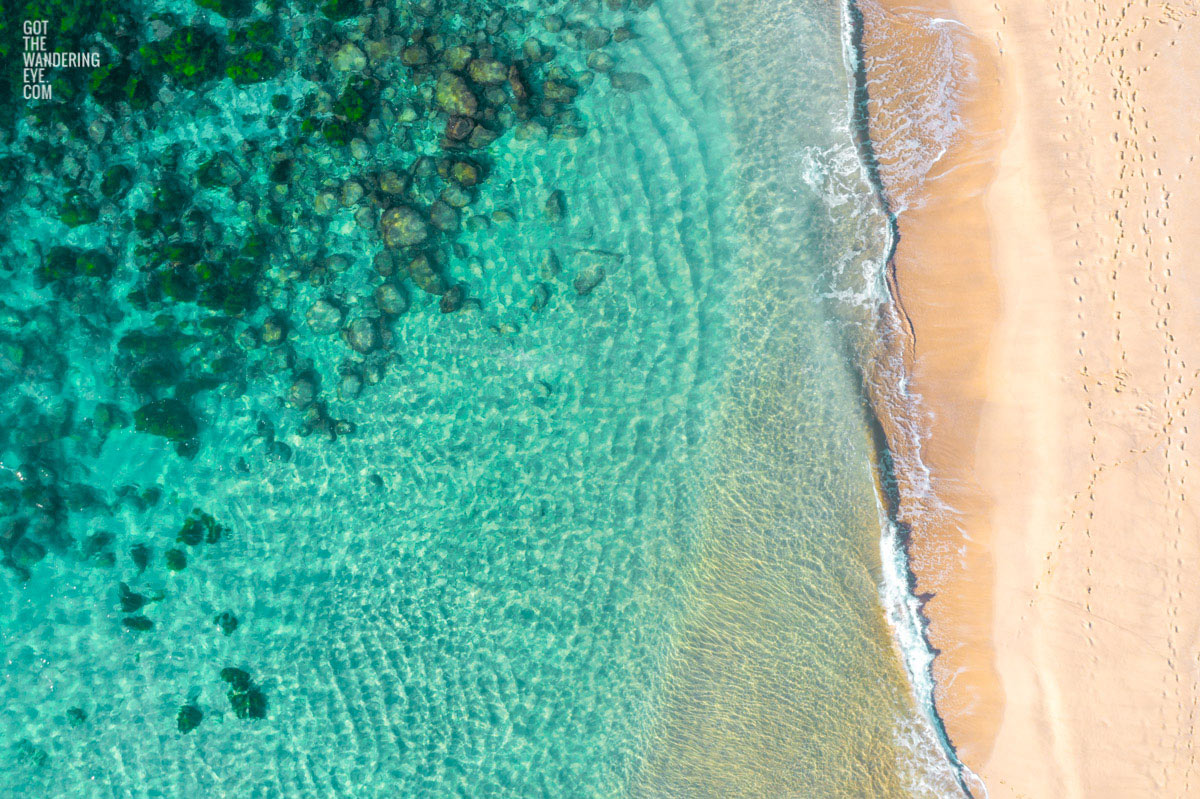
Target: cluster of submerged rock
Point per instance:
(213, 273)
(405, 102)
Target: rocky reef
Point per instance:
(250, 201)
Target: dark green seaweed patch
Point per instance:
(176, 560)
(168, 418)
(190, 56)
(138, 623)
(131, 601)
(247, 699)
(200, 527)
(227, 622)
(188, 718)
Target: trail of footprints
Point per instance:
(1141, 243)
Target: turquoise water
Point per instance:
(555, 482)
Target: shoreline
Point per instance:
(1051, 358)
(939, 319)
(895, 434)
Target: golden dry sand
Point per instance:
(1051, 281)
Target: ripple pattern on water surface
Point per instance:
(472, 593)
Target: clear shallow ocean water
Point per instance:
(605, 525)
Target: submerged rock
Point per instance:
(601, 62)
(349, 58)
(443, 217)
(452, 300)
(131, 602)
(403, 227)
(550, 265)
(426, 277)
(454, 96)
(274, 331)
(481, 137)
(246, 698)
(588, 278)
(138, 624)
(323, 317)
(303, 392)
(176, 560)
(629, 81)
(168, 418)
(391, 300)
(227, 622)
(349, 387)
(25, 553)
(188, 718)
(200, 527)
(362, 335)
(465, 173)
(140, 555)
(456, 196)
(487, 71)
(595, 38)
(415, 55)
(555, 207)
(459, 128)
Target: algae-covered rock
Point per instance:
(230, 9)
(341, 9)
(427, 278)
(454, 96)
(362, 335)
(323, 317)
(403, 227)
(252, 66)
(168, 418)
(116, 181)
(355, 102)
(487, 71)
(391, 300)
(78, 209)
(64, 263)
(190, 56)
(465, 173)
(453, 299)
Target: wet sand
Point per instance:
(1044, 269)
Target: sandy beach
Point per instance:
(1044, 268)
